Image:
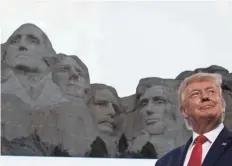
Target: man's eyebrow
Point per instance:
(193, 90)
(33, 37)
(209, 88)
(15, 37)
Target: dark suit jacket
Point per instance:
(220, 153)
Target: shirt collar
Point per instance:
(211, 135)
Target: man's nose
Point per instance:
(22, 45)
(74, 75)
(149, 108)
(111, 110)
(205, 96)
(22, 48)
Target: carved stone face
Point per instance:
(105, 108)
(69, 76)
(153, 106)
(26, 48)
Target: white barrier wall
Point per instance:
(72, 161)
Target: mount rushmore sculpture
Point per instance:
(49, 107)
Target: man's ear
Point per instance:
(184, 112)
(223, 103)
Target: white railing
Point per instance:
(72, 161)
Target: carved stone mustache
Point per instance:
(107, 120)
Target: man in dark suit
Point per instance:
(203, 107)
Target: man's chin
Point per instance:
(106, 129)
(214, 117)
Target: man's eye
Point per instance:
(159, 100)
(211, 91)
(143, 103)
(33, 39)
(14, 41)
(102, 103)
(65, 68)
(36, 41)
(193, 95)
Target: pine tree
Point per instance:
(98, 148)
(148, 151)
(123, 144)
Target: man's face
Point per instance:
(69, 76)
(202, 102)
(26, 47)
(153, 106)
(105, 108)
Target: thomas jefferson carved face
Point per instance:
(153, 106)
(105, 108)
(26, 48)
(70, 77)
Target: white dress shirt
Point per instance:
(211, 136)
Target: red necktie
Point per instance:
(196, 156)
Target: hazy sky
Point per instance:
(122, 42)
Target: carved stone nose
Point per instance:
(22, 48)
(74, 77)
(149, 112)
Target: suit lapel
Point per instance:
(183, 152)
(218, 147)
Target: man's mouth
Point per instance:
(21, 55)
(107, 123)
(72, 82)
(207, 106)
(151, 121)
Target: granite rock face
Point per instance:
(50, 108)
(155, 117)
(45, 92)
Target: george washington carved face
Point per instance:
(27, 47)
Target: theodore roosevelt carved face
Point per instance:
(105, 106)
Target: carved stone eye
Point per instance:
(159, 100)
(65, 68)
(15, 39)
(143, 102)
(102, 103)
(33, 39)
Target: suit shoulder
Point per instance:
(168, 157)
